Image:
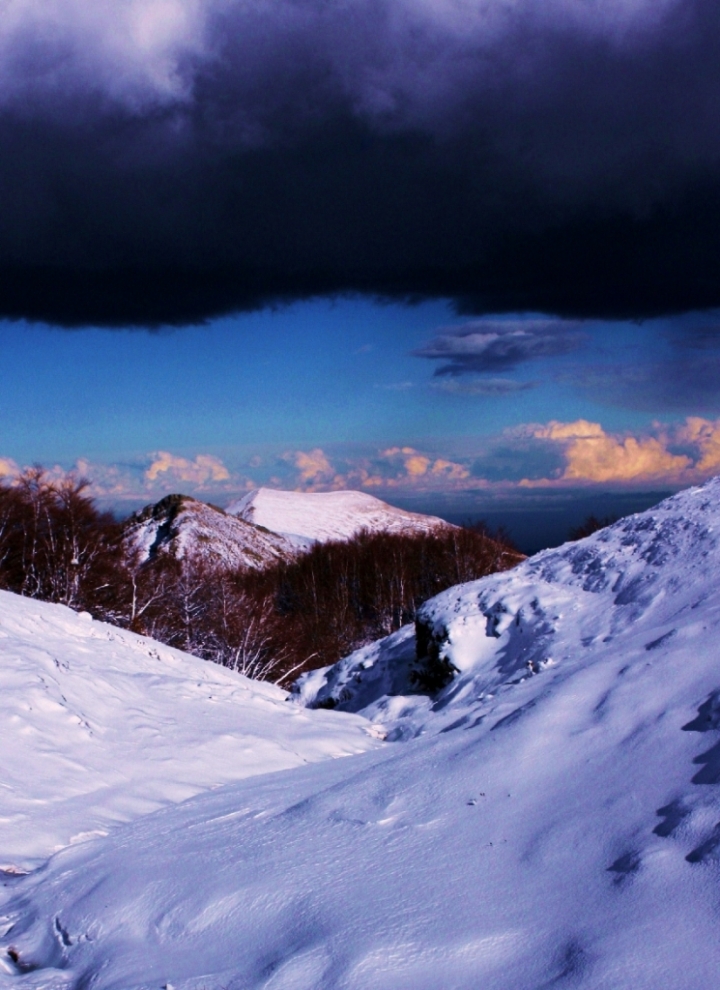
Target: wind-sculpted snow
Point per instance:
(551, 820)
(100, 726)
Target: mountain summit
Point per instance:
(181, 526)
(310, 517)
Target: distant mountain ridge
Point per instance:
(263, 527)
(305, 518)
(181, 526)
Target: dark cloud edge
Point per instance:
(632, 272)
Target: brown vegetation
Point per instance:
(293, 616)
(55, 544)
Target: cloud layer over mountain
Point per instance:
(164, 162)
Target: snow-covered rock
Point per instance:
(182, 526)
(382, 676)
(310, 517)
(100, 726)
(551, 820)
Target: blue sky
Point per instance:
(319, 373)
(324, 394)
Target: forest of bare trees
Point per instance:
(57, 546)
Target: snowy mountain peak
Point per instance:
(182, 526)
(308, 517)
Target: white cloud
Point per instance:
(129, 50)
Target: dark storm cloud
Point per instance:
(163, 162)
(498, 345)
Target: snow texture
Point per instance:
(551, 819)
(101, 726)
(182, 526)
(316, 517)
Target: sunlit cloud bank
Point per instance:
(676, 456)
(8, 468)
(554, 455)
(208, 476)
(388, 469)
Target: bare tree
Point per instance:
(56, 545)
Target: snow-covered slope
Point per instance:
(552, 820)
(308, 517)
(565, 606)
(182, 526)
(100, 726)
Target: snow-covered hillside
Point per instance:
(182, 526)
(563, 607)
(551, 819)
(308, 517)
(100, 726)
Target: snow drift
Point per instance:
(551, 820)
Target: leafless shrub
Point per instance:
(342, 595)
(271, 625)
(55, 544)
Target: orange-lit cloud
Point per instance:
(393, 467)
(593, 455)
(705, 435)
(551, 455)
(415, 464)
(581, 429)
(449, 470)
(205, 468)
(315, 472)
(313, 466)
(403, 465)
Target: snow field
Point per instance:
(101, 726)
(551, 819)
(516, 852)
